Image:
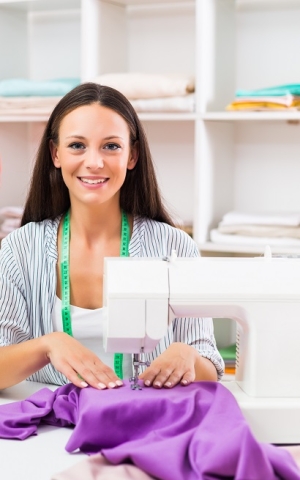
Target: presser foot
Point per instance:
(137, 362)
(135, 385)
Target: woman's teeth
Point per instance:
(93, 182)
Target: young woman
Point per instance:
(93, 190)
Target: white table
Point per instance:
(40, 456)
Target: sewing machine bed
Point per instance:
(273, 420)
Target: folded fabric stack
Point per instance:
(282, 97)
(229, 356)
(153, 92)
(10, 220)
(236, 228)
(18, 95)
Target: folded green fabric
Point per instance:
(21, 87)
(288, 89)
(228, 353)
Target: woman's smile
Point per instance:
(93, 181)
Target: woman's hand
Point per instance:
(180, 363)
(175, 365)
(81, 366)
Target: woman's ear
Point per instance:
(53, 150)
(134, 156)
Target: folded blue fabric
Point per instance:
(21, 87)
(288, 89)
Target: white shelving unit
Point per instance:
(100, 37)
(208, 162)
(247, 161)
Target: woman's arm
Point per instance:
(19, 361)
(81, 366)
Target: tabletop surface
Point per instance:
(39, 456)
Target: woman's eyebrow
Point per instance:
(106, 138)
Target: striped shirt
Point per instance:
(28, 259)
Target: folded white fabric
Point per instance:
(183, 103)
(147, 85)
(9, 225)
(11, 212)
(240, 218)
(217, 237)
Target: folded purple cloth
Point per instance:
(186, 433)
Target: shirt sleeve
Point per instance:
(199, 333)
(14, 323)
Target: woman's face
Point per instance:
(94, 154)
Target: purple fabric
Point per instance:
(186, 433)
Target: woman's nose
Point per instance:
(94, 160)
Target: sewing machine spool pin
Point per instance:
(137, 362)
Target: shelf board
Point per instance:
(289, 116)
(244, 249)
(42, 115)
(152, 3)
(144, 116)
(40, 5)
(266, 4)
(20, 116)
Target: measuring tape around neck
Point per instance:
(65, 278)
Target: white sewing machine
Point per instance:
(142, 297)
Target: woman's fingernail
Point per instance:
(112, 385)
(101, 385)
(83, 384)
(147, 383)
(157, 384)
(184, 382)
(168, 384)
(119, 383)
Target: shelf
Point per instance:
(42, 115)
(277, 116)
(244, 249)
(152, 4)
(28, 117)
(39, 5)
(266, 4)
(176, 117)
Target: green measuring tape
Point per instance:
(65, 279)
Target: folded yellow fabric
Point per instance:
(259, 106)
(148, 85)
(265, 103)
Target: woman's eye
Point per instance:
(76, 146)
(112, 146)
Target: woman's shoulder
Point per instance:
(33, 235)
(164, 238)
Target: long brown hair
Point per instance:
(48, 195)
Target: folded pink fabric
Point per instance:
(97, 467)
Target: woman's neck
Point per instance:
(95, 224)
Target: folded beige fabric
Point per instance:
(260, 231)
(28, 104)
(97, 467)
(148, 85)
